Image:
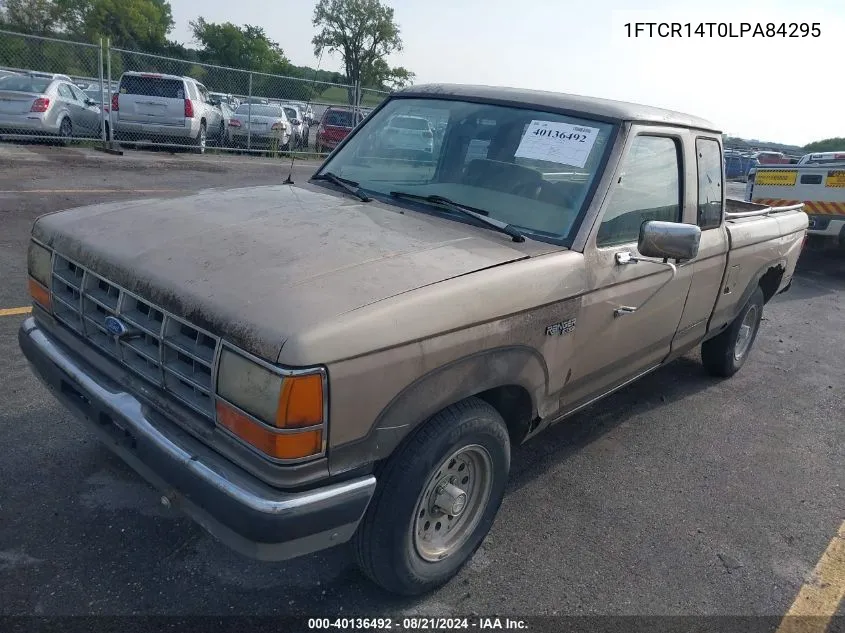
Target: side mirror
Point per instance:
(91, 102)
(669, 240)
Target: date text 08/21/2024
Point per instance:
(722, 29)
(417, 624)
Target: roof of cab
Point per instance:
(605, 108)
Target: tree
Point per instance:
(248, 48)
(364, 32)
(380, 75)
(132, 24)
(37, 17)
(827, 145)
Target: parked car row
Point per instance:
(169, 109)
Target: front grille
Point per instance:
(167, 351)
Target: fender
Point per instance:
(498, 367)
(752, 285)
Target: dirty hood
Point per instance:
(259, 264)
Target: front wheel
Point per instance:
(726, 353)
(436, 500)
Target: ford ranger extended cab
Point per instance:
(351, 358)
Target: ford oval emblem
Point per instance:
(115, 326)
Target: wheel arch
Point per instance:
(510, 379)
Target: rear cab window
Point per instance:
(710, 186)
(409, 123)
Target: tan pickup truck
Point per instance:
(352, 357)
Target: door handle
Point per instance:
(624, 258)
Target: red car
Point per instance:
(336, 123)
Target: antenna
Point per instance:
(289, 180)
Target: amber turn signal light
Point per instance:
(300, 401)
(279, 445)
(39, 294)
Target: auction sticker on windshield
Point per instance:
(557, 142)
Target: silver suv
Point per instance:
(166, 109)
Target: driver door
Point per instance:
(612, 347)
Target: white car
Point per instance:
(822, 158)
(410, 133)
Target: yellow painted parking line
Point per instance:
(819, 598)
(42, 191)
(14, 311)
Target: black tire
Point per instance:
(221, 135)
(65, 132)
(385, 544)
(201, 140)
(726, 353)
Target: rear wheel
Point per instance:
(436, 500)
(201, 140)
(65, 132)
(726, 353)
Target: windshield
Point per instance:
(528, 168)
(24, 84)
(259, 110)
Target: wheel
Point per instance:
(108, 132)
(436, 499)
(221, 135)
(201, 140)
(65, 132)
(724, 354)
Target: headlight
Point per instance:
(280, 413)
(39, 265)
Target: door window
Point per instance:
(649, 189)
(77, 94)
(65, 92)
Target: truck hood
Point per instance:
(256, 265)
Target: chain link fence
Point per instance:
(66, 91)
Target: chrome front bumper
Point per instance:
(247, 515)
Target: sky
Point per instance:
(787, 90)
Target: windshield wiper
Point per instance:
(350, 185)
(496, 225)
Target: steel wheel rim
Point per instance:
(202, 137)
(746, 330)
(435, 533)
